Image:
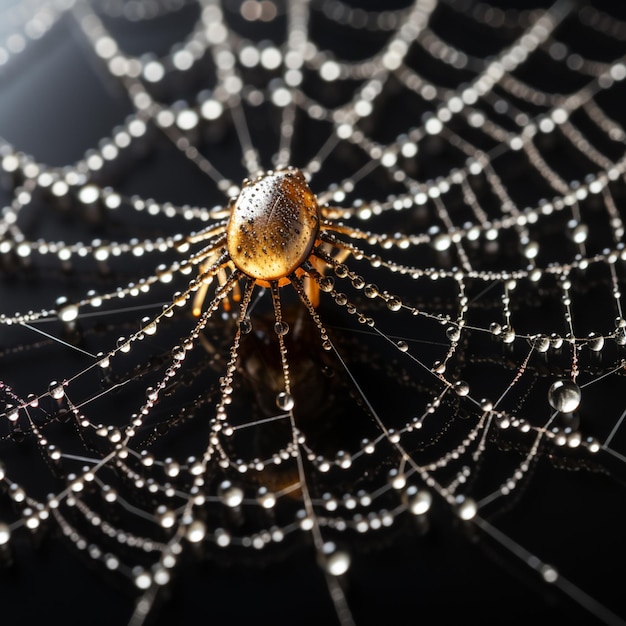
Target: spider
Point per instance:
(277, 233)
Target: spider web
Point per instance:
(451, 439)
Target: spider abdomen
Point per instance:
(273, 225)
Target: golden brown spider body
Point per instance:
(273, 225)
(276, 233)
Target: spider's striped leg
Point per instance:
(319, 265)
(222, 275)
(215, 235)
(310, 285)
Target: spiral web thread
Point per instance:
(474, 264)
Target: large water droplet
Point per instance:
(461, 388)
(418, 500)
(68, 313)
(337, 561)
(56, 390)
(564, 396)
(5, 534)
(196, 531)
(394, 304)
(285, 401)
(595, 342)
(230, 494)
(453, 333)
(466, 508)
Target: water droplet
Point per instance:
(344, 459)
(337, 562)
(556, 341)
(542, 343)
(143, 580)
(5, 534)
(358, 282)
(419, 500)
(341, 270)
(196, 531)
(167, 518)
(550, 575)
(161, 576)
(595, 342)
(486, 404)
(508, 334)
(123, 344)
(397, 479)
(461, 388)
(231, 495)
(394, 304)
(281, 328)
(56, 390)
(68, 313)
(579, 233)
(285, 401)
(442, 242)
(564, 396)
(245, 326)
(453, 333)
(327, 283)
(466, 508)
(222, 537)
(266, 498)
(531, 249)
(371, 291)
(149, 328)
(593, 445)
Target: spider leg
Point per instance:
(209, 268)
(207, 233)
(309, 284)
(300, 287)
(222, 277)
(209, 257)
(351, 231)
(318, 265)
